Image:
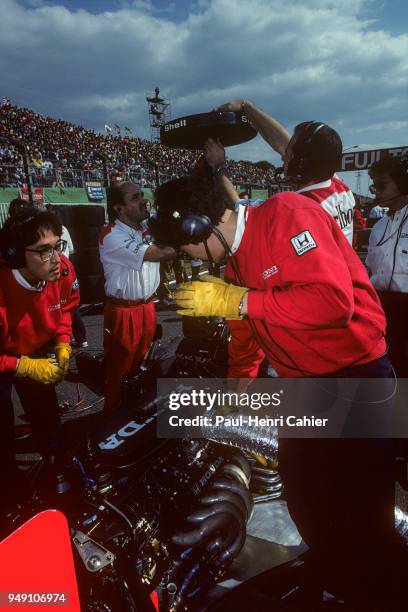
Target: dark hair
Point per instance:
(23, 229)
(395, 167)
(114, 196)
(317, 151)
(242, 194)
(17, 205)
(180, 197)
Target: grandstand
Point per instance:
(63, 156)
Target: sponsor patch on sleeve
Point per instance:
(75, 285)
(303, 242)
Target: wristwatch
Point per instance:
(240, 307)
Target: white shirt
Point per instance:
(69, 249)
(241, 209)
(337, 199)
(127, 275)
(377, 212)
(24, 283)
(387, 257)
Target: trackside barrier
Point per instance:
(73, 195)
(4, 209)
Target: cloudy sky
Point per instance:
(93, 61)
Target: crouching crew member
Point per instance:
(38, 292)
(387, 258)
(297, 293)
(131, 267)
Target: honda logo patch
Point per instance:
(303, 242)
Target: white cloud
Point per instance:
(298, 60)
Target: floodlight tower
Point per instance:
(159, 113)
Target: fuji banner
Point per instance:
(363, 160)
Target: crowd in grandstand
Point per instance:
(62, 152)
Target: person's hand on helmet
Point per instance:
(212, 297)
(46, 371)
(63, 353)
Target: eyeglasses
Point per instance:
(47, 252)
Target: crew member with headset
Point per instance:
(297, 293)
(38, 291)
(312, 155)
(78, 328)
(387, 257)
(131, 265)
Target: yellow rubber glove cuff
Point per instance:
(45, 371)
(63, 353)
(210, 299)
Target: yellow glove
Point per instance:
(41, 370)
(63, 353)
(213, 298)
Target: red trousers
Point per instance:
(128, 334)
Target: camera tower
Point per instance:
(159, 113)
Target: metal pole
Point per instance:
(105, 171)
(26, 166)
(24, 154)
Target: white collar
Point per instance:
(123, 226)
(321, 185)
(127, 228)
(24, 283)
(239, 232)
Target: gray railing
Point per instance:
(12, 175)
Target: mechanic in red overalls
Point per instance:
(38, 292)
(297, 294)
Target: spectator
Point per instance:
(243, 195)
(63, 151)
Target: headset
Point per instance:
(12, 252)
(193, 228)
(300, 165)
(14, 258)
(399, 174)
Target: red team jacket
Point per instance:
(31, 319)
(313, 305)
